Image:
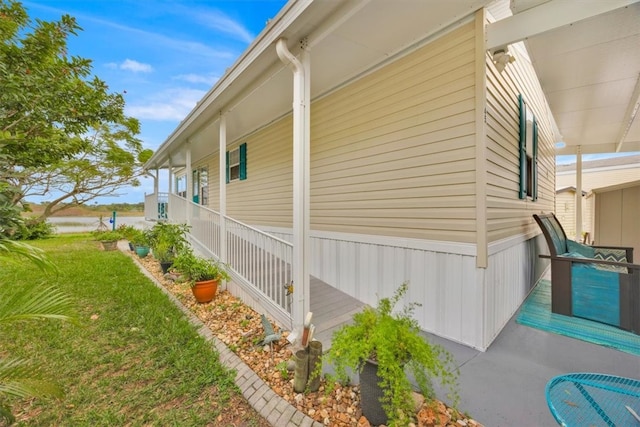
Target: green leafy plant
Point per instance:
(282, 368)
(107, 236)
(394, 342)
(127, 231)
(18, 377)
(167, 240)
(198, 269)
(139, 237)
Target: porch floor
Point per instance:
(331, 309)
(505, 386)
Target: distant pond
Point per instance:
(78, 224)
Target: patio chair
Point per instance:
(598, 283)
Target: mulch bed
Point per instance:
(240, 328)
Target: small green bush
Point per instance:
(33, 229)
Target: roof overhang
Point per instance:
(346, 40)
(585, 54)
(587, 57)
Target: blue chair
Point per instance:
(589, 399)
(598, 283)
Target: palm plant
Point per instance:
(17, 376)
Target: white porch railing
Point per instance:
(155, 206)
(260, 263)
(262, 260)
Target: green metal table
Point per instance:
(589, 399)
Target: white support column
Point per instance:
(170, 177)
(301, 163)
(155, 181)
(222, 178)
(189, 181)
(578, 193)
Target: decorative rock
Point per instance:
(363, 422)
(462, 423)
(418, 401)
(291, 365)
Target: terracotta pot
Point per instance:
(205, 291)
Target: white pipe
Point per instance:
(579, 194)
(189, 181)
(301, 162)
(222, 178)
(170, 186)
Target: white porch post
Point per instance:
(301, 161)
(578, 194)
(222, 178)
(170, 177)
(189, 181)
(155, 181)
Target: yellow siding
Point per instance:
(507, 214)
(393, 153)
(266, 196)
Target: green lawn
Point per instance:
(131, 359)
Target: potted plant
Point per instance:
(203, 274)
(128, 232)
(140, 241)
(167, 240)
(379, 344)
(165, 255)
(109, 239)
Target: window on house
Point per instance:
(237, 163)
(528, 152)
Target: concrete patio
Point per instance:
(505, 386)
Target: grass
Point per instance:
(130, 359)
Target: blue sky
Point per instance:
(162, 55)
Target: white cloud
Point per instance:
(135, 66)
(173, 104)
(218, 21)
(198, 78)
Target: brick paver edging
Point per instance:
(273, 408)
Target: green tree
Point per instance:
(61, 129)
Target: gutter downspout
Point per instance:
(578, 194)
(189, 181)
(170, 177)
(301, 162)
(222, 181)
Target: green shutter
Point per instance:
(227, 167)
(523, 148)
(243, 161)
(534, 162)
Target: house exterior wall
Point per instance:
(566, 213)
(593, 178)
(506, 214)
(394, 181)
(393, 153)
(616, 218)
